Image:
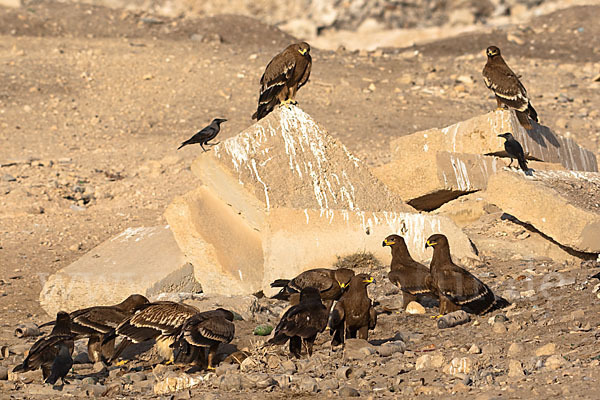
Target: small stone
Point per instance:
(515, 350)
(462, 365)
(99, 367)
(415, 308)
(89, 380)
(555, 362)
(81, 358)
(289, 366)
(308, 384)
(528, 293)
(230, 382)
(389, 348)
(348, 391)
(474, 349)
(578, 315)
(3, 373)
(546, 350)
(515, 369)
(499, 327)
(8, 178)
(138, 377)
(94, 390)
(225, 368)
(427, 361)
(328, 384)
(358, 349)
(273, 362)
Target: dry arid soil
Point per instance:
(94, 101)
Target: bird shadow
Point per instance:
(542, 135)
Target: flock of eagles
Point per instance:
(321, 299)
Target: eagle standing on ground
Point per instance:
(330, 283)
(410, 276)
(206, 330)
(353, 313)
(94, 322)
(301, 323)
(287, 72)
(49, 350)
(458, 288)
(507, 87)
(159, 320)
(514, 150)
(206, 134)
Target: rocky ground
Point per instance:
(94, 102)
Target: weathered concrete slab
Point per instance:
(478, 135)
(426, 180)
(288, 160)
(139, 260)
(283, 197)
(564, 205)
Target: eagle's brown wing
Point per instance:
(505, 84)
(319, 278)
(464, 289)
(205, 331)
(411, 279)
(97, 320)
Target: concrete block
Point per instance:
(283, 197)
(563, 205)
(478, 135)
(426, 180)
(143, 260)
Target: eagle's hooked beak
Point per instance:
(369, 280)
(302, 51)
(342, 285)
(387, 243)
(430, 244)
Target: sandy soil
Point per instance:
(94, 102)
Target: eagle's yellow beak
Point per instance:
(369, 280)
(430, 244)
(302, 51)
(388, 243)
(342, 285)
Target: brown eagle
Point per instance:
(458, 288)
(507, 87)
(287, 72)
(94, 322)
(354, 313)
(410, 276)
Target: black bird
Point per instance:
(61, 365)
(205, 135)
(206, 330)
(410, 276)
(95, 322)
(330, 282)
(301, 323)
(514, 150)
(354, 313)
(507, 87)
(44, 352)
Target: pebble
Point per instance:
(389, 348)
(427, 361)
(459, 365)
(343, 372)
(289, 366)
(8, 178)
(515, 369)
(230, 382)
(93, 390)
(308, 384)
(415, 308)
(98, 366)
(499, 328)
(474, 349)
(328, 384)
(546, 350)
(515, 350)
(348, 391)
(358, 349)
(3, 373)
(555, 362)
(224, 368)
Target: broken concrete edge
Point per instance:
(231, 256)
(144, 260)
(478, 135)
(429, 181)
(289, 152)
(534, 202)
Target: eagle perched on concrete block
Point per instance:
(287, 72)
(507, 87)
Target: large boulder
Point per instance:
(143, 260)
(562, 205)
(284, 196)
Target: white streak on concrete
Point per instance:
(258, 178)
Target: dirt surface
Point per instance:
(94, 102)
